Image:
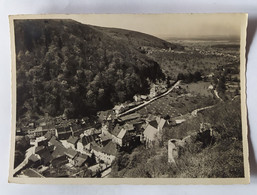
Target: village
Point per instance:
(76, 150)
(73, 148)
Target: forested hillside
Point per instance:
(65, 67)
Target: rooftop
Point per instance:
(80, 160)
(46, 156)
(71, 152)
(106, 137)
(38, 149)
(116, 130)
(73, 140)
(76, 127)
(110, 149)
(34, 158)
(130, 117)
(48, 135)
(150, 132)
(128, 127)
(122, 133)
(59, 151)
(54, 141)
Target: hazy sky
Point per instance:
(177, 25)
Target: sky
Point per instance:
(171, 25)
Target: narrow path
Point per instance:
(217, 95)
(191, 115)
(149, 101)
(194, 112)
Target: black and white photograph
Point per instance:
(124, 97)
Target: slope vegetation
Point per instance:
(65, 67)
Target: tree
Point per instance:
(180, 76)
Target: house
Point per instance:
(63, 133)
(179, 121)
(48, 135)
(118, 135)
(44, 152)
(50, 128)
(59, 161)
(123, 135)
(71, 142)
(84, 142)
(59, 156)
(80, 146)
(111, 150)
(71, 154)
(137, 98)
(118, 109)
(104, 116)
(151, 135)
(39, 149)
(153, 130)
(97, 169)
(32, 124)
(153, 91)
(19, 132)
(34, 160)
(161, 123)
(46, 157)
(128, 127)
(28, 131)
(54, 142)
(42, 130)
(38, 132)
(105, 138)
(129, 117)
(42, 124)
(76, 129)
(90, 131)
(144, 97)
(107, 153)
(156, 122)
(82, 160)
(59, 151)
(150, 118)
(50, 148)
(41, 141)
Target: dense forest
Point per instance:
(65, 67)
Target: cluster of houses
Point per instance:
(77, 146)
